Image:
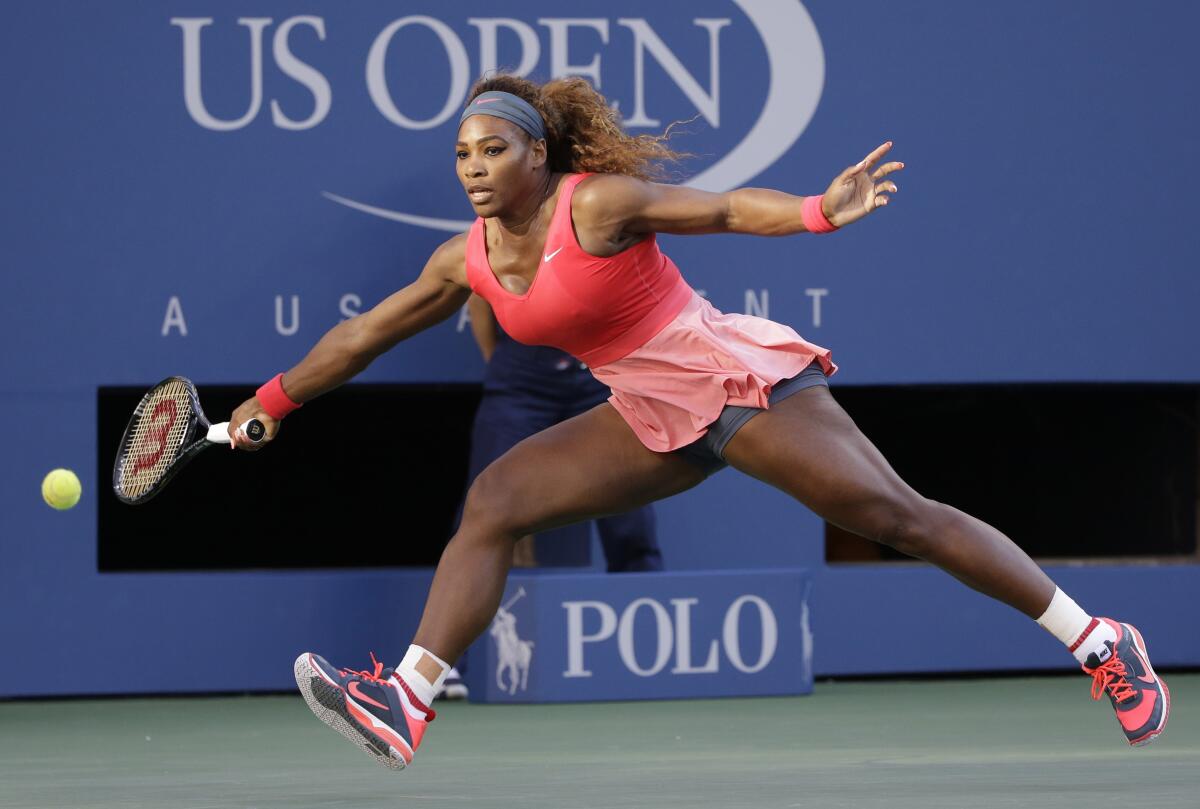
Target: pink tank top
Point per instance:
(598, 309)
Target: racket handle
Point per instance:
(252, 429)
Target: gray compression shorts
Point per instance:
(708, 451)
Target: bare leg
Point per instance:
(810, 448)
(583, 468)
(525, 552)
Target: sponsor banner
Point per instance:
(206, 188)
(565, 637)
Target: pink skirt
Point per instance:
(675, 385)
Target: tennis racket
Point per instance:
(167, 430)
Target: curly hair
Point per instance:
(583, 133)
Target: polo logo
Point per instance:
(646, 636)
(672, 636)
(513, 655)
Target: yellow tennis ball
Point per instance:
(61, 489)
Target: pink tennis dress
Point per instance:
(673, 361)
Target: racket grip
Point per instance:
(252, 429)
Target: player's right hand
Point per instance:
(250, 409)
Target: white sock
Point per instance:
(1079, 632)
(424, 690)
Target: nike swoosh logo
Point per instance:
(548, 256)
(1148, 678)
(1135, 718)
(359, 695)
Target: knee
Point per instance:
(914, 527)
(491, 507)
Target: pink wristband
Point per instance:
(813, 217)
(274, 400)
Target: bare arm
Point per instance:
(483, 326)
(613, 209)
(350, 346)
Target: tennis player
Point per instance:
(564, 251)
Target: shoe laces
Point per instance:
(376, 676)
(1110, 677)
(381, 675)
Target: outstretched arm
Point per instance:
(350, 346)
(615, 207)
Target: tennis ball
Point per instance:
(61, 489)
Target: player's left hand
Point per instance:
(860, 189)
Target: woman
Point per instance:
(564, 250)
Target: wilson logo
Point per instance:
(160, 421)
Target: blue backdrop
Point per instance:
(204, 188)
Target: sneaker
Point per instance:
(453, 686)
(1123, 671)
(375, 710)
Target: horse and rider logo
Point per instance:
(513, 655)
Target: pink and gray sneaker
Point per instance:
(375, 710)
(1122, 670)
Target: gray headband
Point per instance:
(500, 104)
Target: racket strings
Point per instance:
(156, 437)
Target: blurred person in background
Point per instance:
(527, 389)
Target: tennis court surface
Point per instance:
(1029, 743)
